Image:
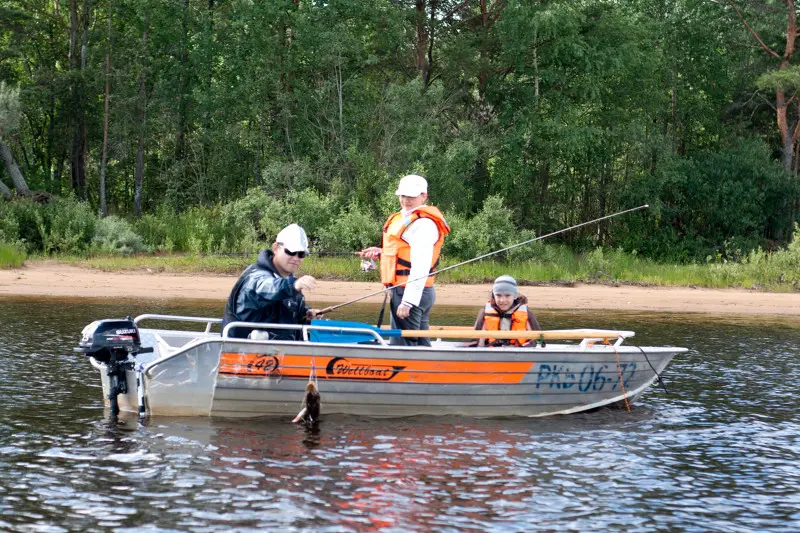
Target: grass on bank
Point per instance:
(759, 271)
(11, 256)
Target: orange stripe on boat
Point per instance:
(368, 369)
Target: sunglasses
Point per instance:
(301, 255)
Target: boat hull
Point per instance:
(214, 376)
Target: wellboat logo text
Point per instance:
(341, 368)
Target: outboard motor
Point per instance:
(113, 342)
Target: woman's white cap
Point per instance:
(412, 186)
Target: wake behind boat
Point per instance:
(202, 373)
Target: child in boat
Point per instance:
(506, 310)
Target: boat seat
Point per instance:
(164, 349)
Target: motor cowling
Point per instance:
(103, 338)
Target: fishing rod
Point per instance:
(366, 265)
(484, 256)
(310, 253)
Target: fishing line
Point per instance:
(658, 376)
(484, 256)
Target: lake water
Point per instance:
(719, 451)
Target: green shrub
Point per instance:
(489, 230)
(115, 235)
(532, 251)
(782, 266)
(721, 202)
(9, 226)
(11, 255)
(354, 229)
(20, 216)
(251, 221)
(312, 211)
(154, 229)
(197, 230)
(64, 225)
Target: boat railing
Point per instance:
(589, 342)
(178, 318)
(344, 330)
(592, 337)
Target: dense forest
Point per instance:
(550, 112)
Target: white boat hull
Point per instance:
(191, 374)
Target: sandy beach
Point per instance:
(51, 278)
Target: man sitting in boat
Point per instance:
(506, 310)
(268, 291)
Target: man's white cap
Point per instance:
(412, 185)
(293, 238)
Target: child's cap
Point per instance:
(505, 284)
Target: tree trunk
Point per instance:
(421, 18)
(51, 135)
(287, 37)
(182, 107)
(340, 98)
(5, 191)
(787, 140)
(78, 149)
(137, 196)
(13, 170)
(84, 127)
(104, 156)
(544, 187)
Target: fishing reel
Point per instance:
(114, 343)
(367, 265)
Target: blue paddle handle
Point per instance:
(358, 325)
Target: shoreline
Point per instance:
(54, 279)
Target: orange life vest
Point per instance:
(516, 319)
(396, 253)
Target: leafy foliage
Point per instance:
(353, 229)
(9, 109)
(713, 203)
(489, 230)
(64, 225)
(116, 235)
(526, 117)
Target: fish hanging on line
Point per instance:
(310, 408)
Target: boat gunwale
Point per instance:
(411, 352)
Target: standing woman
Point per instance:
(412, 241)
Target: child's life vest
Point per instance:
(515, 319)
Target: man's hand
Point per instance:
(373, 252)
(305, 284)
(311, 314)
(404, 309)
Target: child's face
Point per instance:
(504, 301)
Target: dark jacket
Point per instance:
(262, 295)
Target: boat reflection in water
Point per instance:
(372, 475)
